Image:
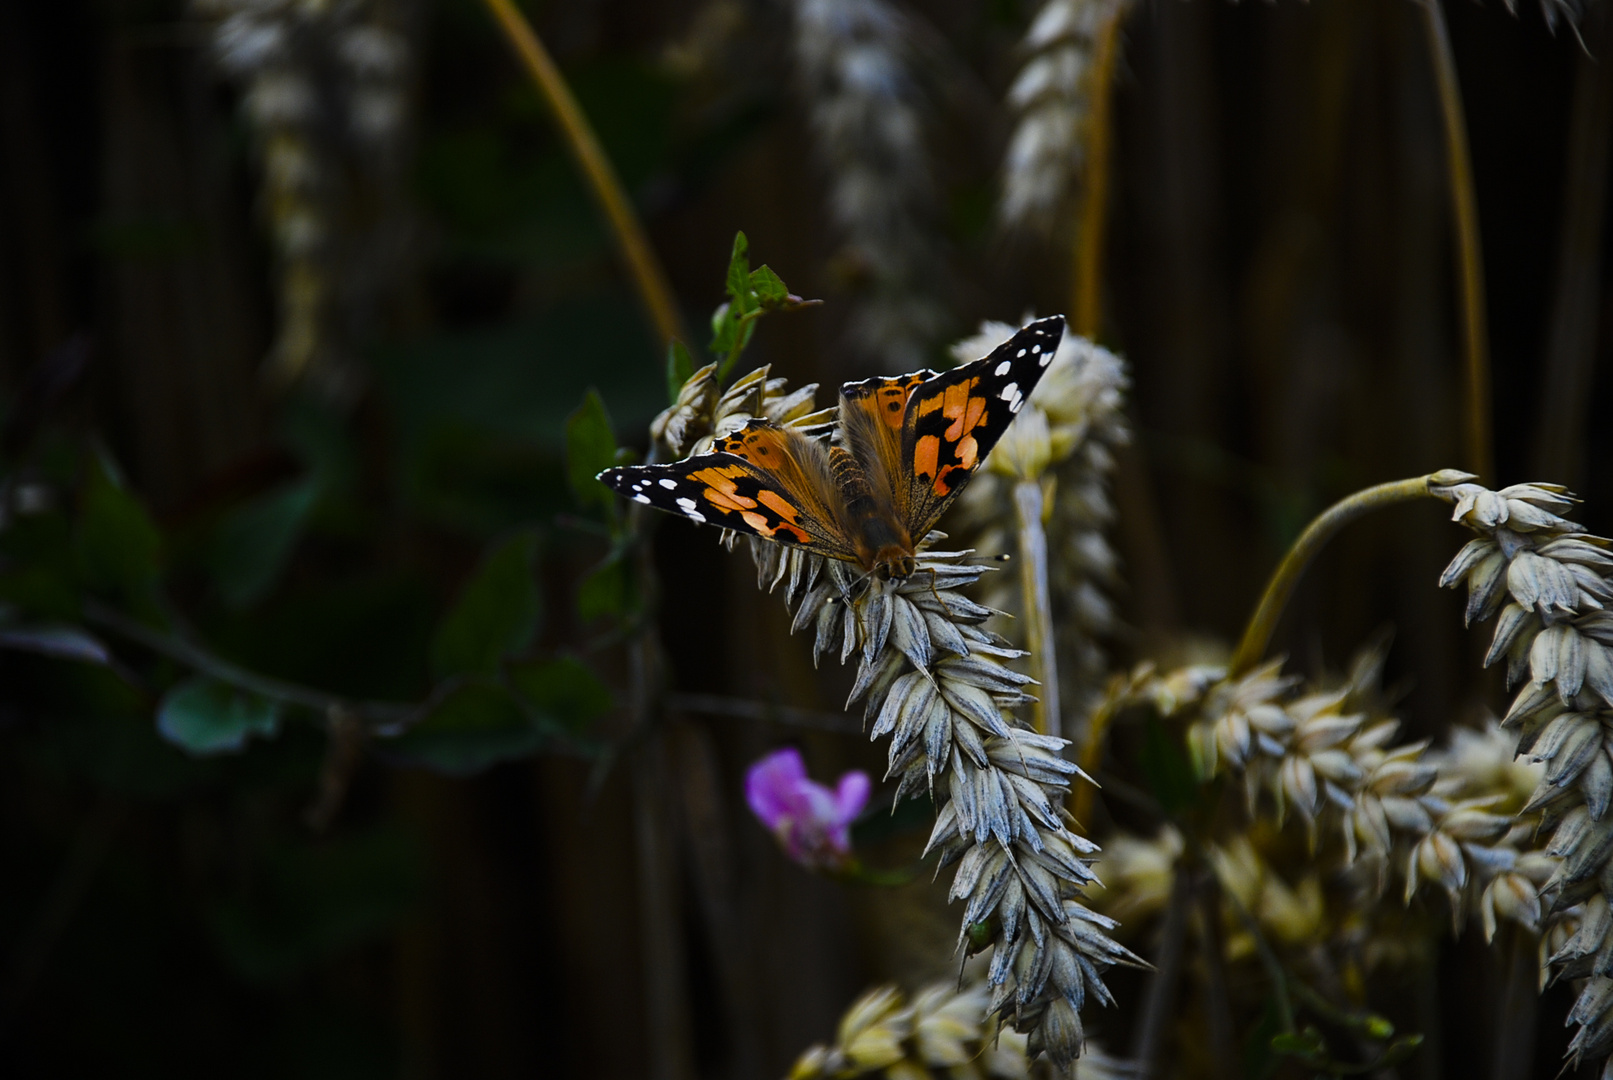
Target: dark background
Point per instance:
(1279, 276)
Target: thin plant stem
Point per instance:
(1469, 254)
(648, 276)
(194, 656)
(1570, 360)
(1159, 1007)
(1257, 635)
(1091, 759)
(1029, 505)
(1092, 227)
(766, 711)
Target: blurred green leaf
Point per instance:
(117, 545)
(679, 366)
(475, 726)
(1166, 767)
(738, 279)
(564, 691)
(1303, 1044)
(603, 591)
(590, 448)
(309, 900)
(203, 716)
(496, 613)
(252, 544)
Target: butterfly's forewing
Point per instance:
(952, 420)
(763, 480)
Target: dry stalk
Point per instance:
(649, 279)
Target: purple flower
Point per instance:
(812, 823)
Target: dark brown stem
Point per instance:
(1571, 346)
(1469, 253)
(1093, 225)
(1217, 993)
(1148, 1045)
(765, 711)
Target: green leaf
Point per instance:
(475, 726)
(117, 545)
(496, 613)
(252, 544)
(305, 901)
(203, 716)
(1167, 769)
(1305, 1044)
(770, 292)
(564, 692)
(679, 366)
(604, 591)
(590, 448)
(738, 283)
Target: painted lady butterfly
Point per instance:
(904, 448)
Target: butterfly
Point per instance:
(903, 450)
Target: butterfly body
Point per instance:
(904, 449)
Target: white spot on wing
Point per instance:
(1004, 368)
(687, 504)
(695, 515)
(1013, 406)
(1009, 392)
(670, 485)
(1047, 358)
(1036, 348)
(641, 498)
(1021, 352)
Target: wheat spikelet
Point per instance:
(324, 87)
(853, 59)
(1547, 584)
(1052, 95)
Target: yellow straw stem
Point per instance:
(645, 268)
(1257, 635)
(1093, 224)
(1029, 505)
(1469, 254)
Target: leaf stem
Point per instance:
(1029, 505)
(194, 656)
(1092, 227)
(648, 276)
(1469, 254)
(1257, 635)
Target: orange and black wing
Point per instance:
(764, 480)
(871, 416)
(952, 420)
